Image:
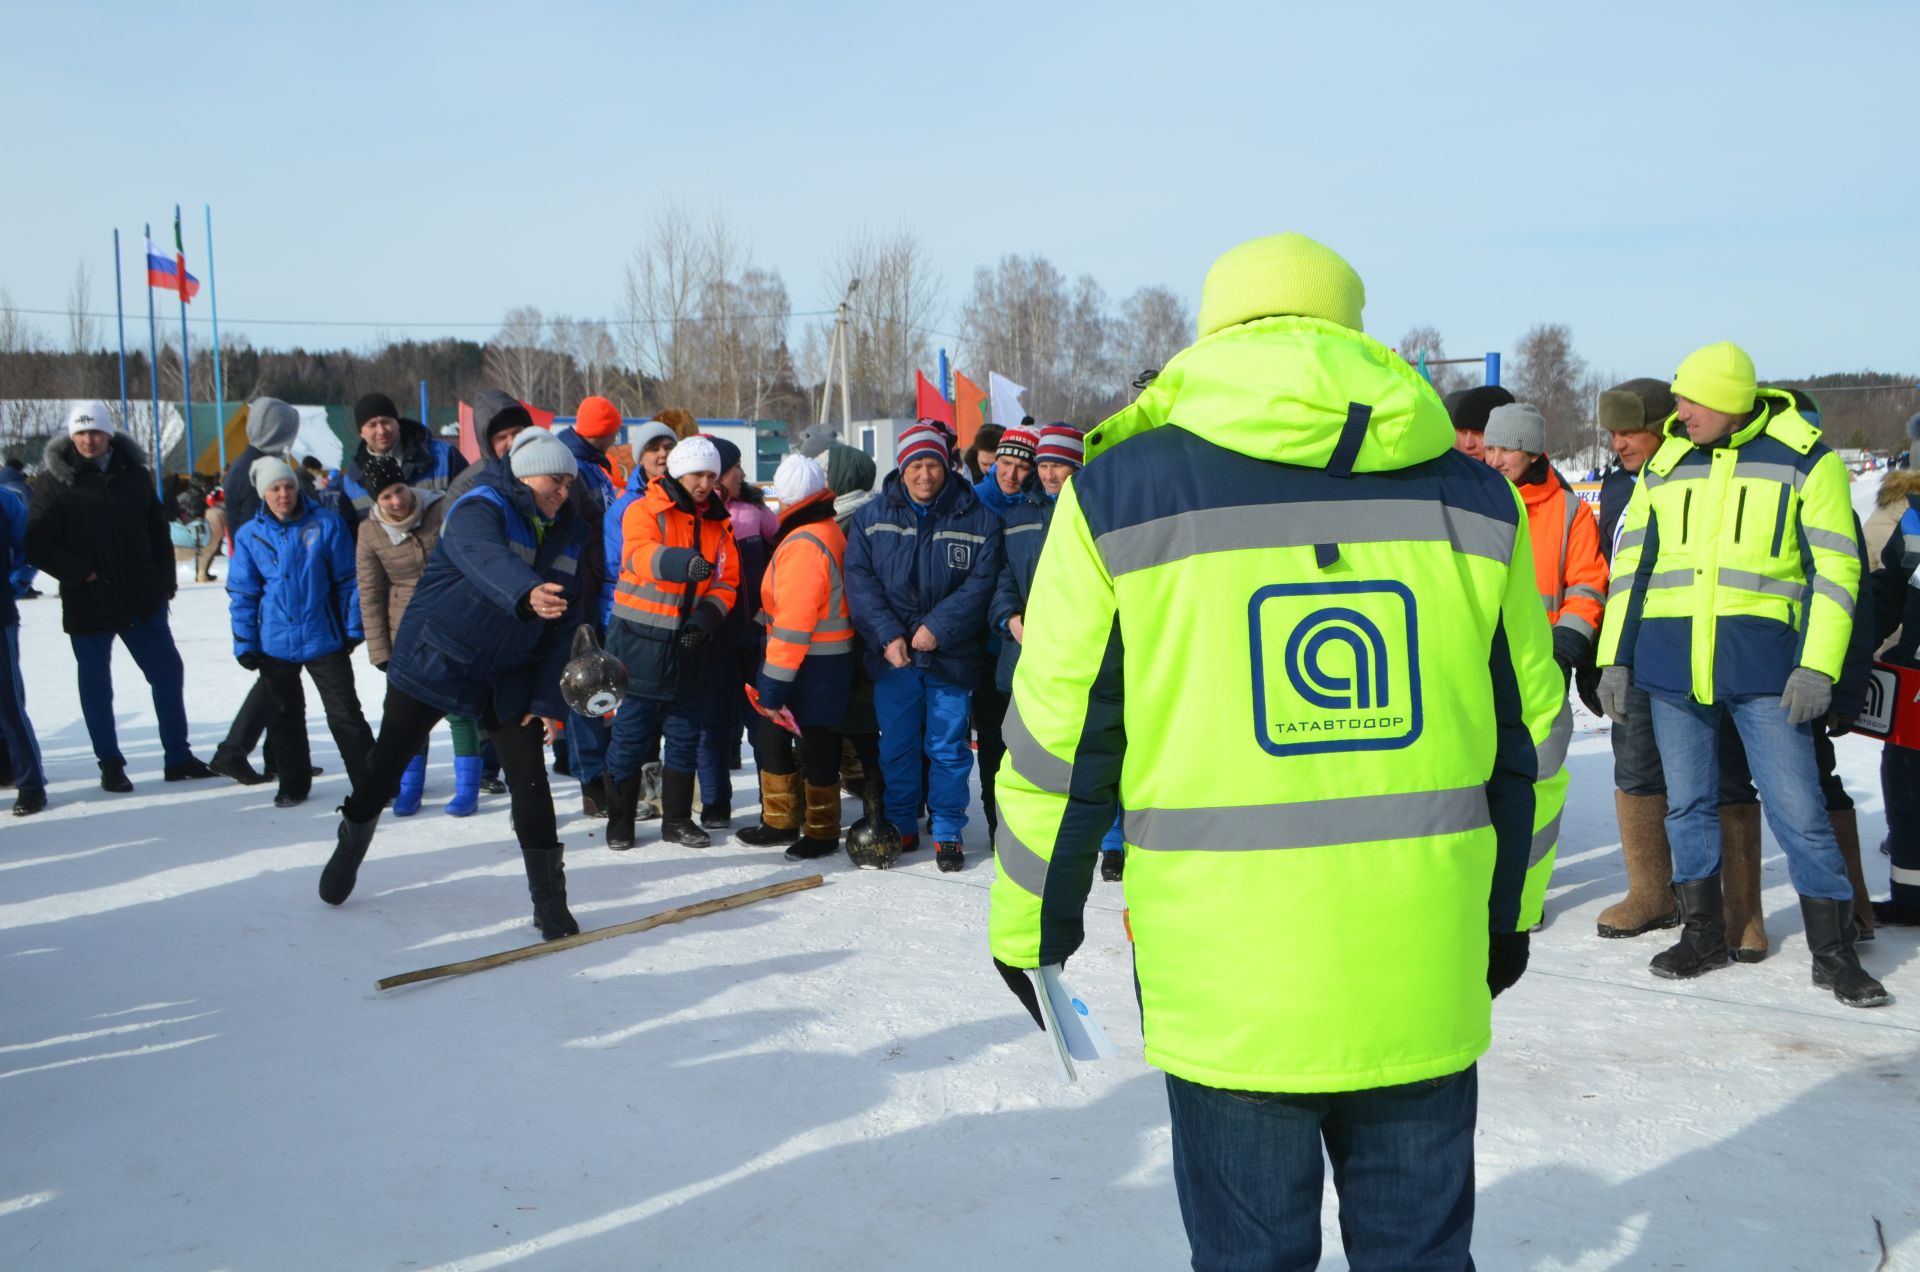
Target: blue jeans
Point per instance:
(587, 740)
(638, 728)
(22, 746)
(1247, 1167)
(150, 641)
(918, 710)
(1785, 770)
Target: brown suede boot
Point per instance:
(1740, 881)
(1847, 831)
(1643, 845)
(779, 811)
(820, 836)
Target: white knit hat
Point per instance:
(90, 417)
(694, 455)
(538, 453)
(798, 478)
(268, 469)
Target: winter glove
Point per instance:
(1023, 988)
(1586, 682)
(1614, 685)
(1569, 650)
(698, 569)
(692, 636)
(251, 660)
(1838, 724)
(381, 665)
(1506, 960)
(1807, 696)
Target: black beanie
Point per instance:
(372, 405)
(1470, 411)
(377, 472)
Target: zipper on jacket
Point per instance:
(1780, 521)
(1739, 513)
(1686, 510)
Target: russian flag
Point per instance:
(165, 272)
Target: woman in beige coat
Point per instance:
(395, 539)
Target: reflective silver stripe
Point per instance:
(1826, 587)
(566, 564)
(1780, 474)
(1033, 761)
(1670, 578)
(1317, 823)
(1581, 589)
(833, 627)
(522, 551)
(1552, 753)
(1574, 622)
(1165, 540)
(646, 592)
(1019, 863)
(1829, 540)
(1620, 583)
(1030, 528)
(1629, 539)
(887, 527)
(644, 618)
(774, 671)
(1547, 601)
(791, 635)
(1543, 841)
(834, 651)
(1748, 581)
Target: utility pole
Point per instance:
(837, 349)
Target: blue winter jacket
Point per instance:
(292, 590)
(424, 460)
(1024, 534)
(13, 548)
(593, 486)
(935, 567)
(20, 571)
(467, 643)
(612, 542)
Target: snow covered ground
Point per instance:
(196, 1071)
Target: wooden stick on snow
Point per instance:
(678, 914)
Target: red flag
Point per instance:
(927, 402)
(470, 435)
(968, 416)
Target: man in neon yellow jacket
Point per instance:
(1733, 592)
(1297, 637)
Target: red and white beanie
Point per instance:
(1061, 444)
(921, 441)
(1020, 443)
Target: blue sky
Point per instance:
(1656, 176)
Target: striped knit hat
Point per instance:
(1061, 444)
(1017, 442)
(922, 441)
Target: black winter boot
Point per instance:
(1830, 935)
(949, 855)
(1703, 935)
(343, 868)
(1113, 865)
(676, 811)
(622, 797)
(113, 777)
(593, 796)
(547, 885)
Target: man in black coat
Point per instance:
(97, 526)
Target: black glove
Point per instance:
(354, 644)
(692, 636)
(698, 568)
(1023, 988)
(381, 665)
(1586, 682)
(251, 660)
(1566, 672)
(1506, 960)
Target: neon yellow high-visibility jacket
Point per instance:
(1737, 562)
(1298, 638)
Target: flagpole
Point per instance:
(120, 308)
(153, 367)
(186, 363)
(219, 383)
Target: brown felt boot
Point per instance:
(820, 835)
(779, 811)
(1847, 831)
(1643, 845)
(1740, 882)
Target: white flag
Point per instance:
(1005, 394)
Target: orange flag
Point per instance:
(968, 399)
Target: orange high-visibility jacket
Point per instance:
(660, 535)
(803, 597)
(1567, 563)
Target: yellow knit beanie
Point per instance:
(1280, 274)
(1718, 377)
